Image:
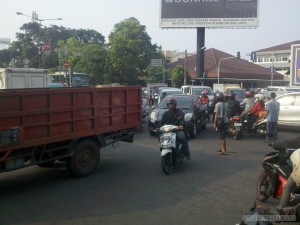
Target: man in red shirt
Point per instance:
(204, 98)
(258, 107)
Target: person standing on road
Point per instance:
(247, 102)
(272, 112)
(221, 121)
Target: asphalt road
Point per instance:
(129, 186)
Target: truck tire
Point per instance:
(85, 159)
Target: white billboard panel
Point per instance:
(209, 13)
(5, 41)
(295, 66)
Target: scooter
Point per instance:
(235, 127)
(277, 169)
(170, 149)
(259, 126)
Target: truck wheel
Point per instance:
(85, 159)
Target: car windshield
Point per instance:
(172, 92)
(182, 103)
(239, 93)
(197, 91)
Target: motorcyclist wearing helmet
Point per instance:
(258, 107)
(203, 97)
(205, 100)
(248, 102)
(175, 116)
(234, 108)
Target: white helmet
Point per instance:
(259, 97)
(295, 158)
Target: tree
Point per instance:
(178, 76)
(92, 62)
(34, 35)
(129, 52)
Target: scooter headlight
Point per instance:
(188, 116)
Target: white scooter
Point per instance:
(170, 149)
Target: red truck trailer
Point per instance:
(43, 125)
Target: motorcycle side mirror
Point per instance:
(289, 151)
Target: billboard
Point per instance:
(295, 66)
(5, 41)
(209, 13)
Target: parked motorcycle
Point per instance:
(235, 127)
(170, 148)
(277, 169)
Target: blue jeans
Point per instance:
(184, 142)
(223, 131)
(272, 131)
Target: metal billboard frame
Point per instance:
(209, 13)
(295, 65)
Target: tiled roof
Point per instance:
(229, 68)
(286, 46)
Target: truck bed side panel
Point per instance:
(37, 116)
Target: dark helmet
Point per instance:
(171, 100)
(219, 95)
(248, 94)
(226, 96)
(231, 94)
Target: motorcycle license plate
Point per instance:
(237, 124)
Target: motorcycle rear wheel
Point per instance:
(166, 163)
(236, 135)
(263, 187)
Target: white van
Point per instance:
(279, 90)
(196, 90)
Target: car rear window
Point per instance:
(197, 91)
(182, 103)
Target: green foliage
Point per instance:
(178, 76)
(129, 53)
(125, 59)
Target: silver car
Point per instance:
(289, 114)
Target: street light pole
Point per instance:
(272, 68)
(35, 18)
(219, 65)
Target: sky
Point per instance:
(278, 23)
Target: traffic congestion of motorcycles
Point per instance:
(197, 103)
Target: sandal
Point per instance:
(219, 150)
(222, 153)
